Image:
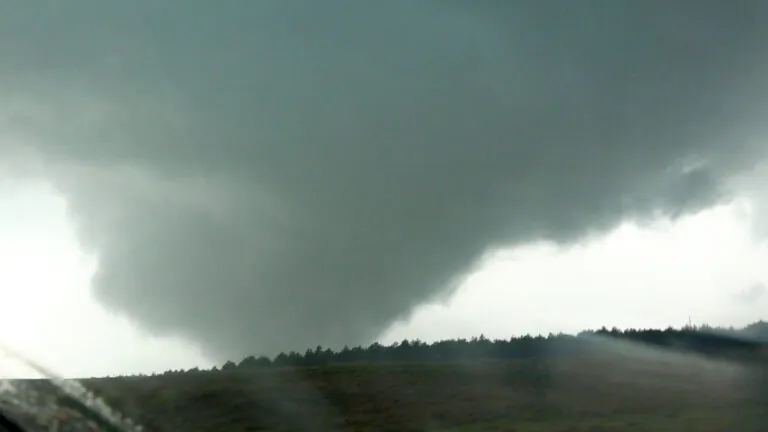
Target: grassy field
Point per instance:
(613, 391)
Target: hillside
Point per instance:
(600, 381)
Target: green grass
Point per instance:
(601, 393)
(713, 420)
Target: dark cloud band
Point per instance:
(271, 175)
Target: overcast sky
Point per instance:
(186, 182)
(709, 266)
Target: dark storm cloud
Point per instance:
(267, 175)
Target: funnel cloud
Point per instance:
(268, 175)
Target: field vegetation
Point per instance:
(690, 379)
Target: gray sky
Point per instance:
(705, 266)
(261, 176)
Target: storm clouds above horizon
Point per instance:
(274, 175)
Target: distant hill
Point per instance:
(757, 331)
(704, 340)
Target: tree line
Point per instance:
(749, 342)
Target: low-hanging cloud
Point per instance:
(269, 175)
